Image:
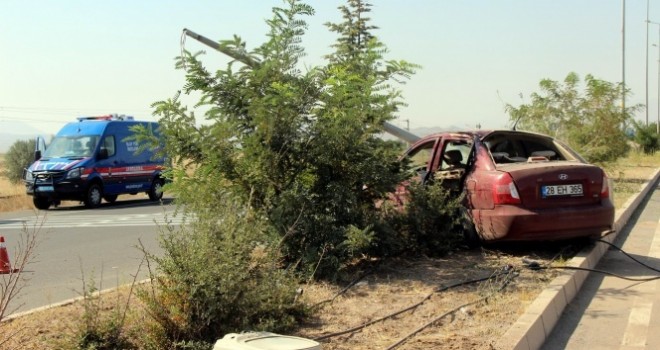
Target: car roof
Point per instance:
(480, 133)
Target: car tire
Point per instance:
(41, 203)
(110, 198)
(156, 191)
(93, 196)
(470, 235)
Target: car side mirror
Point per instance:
(37, 155)
(103, 154)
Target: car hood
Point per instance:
(58, 164)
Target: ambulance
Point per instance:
(94, 159)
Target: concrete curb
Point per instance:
(66, 302)
(531, 329)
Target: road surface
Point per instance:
(99, 244)
(612, 313)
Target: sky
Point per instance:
(63, 59)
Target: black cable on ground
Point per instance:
(628, 255)
(533, 265)
(510, 275)
(345, 289)
(505, 270)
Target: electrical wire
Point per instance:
(629, 256)
(534, 265)
(509, 277)
(510, 273)
(648, 279)
(506, 270)
(345, 289)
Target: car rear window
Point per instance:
(514, 148)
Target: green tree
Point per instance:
(300, 147)
(19, 157)
(590, 120)
(647, 137)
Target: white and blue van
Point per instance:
(94, 159)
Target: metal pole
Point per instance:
(623, 58)
(647, 63)
(657, 126)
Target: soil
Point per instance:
(388, 287)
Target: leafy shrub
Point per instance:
(301, 148)
(647, 137)
(589, 117)
(220, 274)
(96, 330)
(429, 224)
(19, 156)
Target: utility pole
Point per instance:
(647, 63)
(623, 58)
(657, 125)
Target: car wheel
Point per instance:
(470, 235)
(156, 190)
(41, 203)
(94, 196)
(110, 198)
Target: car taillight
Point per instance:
(505, 191)
(605, 189)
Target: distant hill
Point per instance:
(12, 131)
(6, 140)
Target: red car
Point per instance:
(518, 186)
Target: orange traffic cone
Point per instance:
(5, 264)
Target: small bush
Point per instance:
(647, 138)
(19, 157)
(429, 224)
(98, 330)
(219, 276)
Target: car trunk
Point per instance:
(551, 184)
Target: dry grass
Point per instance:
(392, 286)
(12, 196)
(630, 173)
(401, 284)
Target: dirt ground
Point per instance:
(388, 287)
(443, 320)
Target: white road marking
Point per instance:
(73, 221)
(638, 323)
(640, 314)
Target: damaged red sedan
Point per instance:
(518, 186)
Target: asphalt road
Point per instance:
(612, 313)
(99, 244)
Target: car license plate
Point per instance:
(44, 189)
(572, 190)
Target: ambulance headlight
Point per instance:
(74, 173)
(27, 175)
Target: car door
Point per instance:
(419, 160)
(107, 165)
(451, 162)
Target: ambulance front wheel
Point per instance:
(94, 196)
(41, 203)
(156, 190)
